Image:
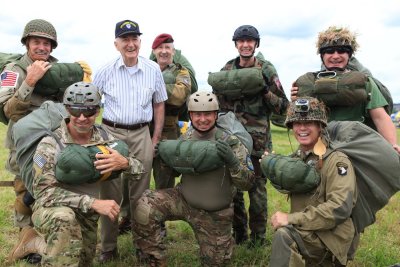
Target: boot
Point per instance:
(124, 226)
(29, 242)
(153, 262)
(240, 237)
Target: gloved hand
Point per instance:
(226, 153)
(87, 71)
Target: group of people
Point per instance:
(143, 101)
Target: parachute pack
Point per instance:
(354, 64)
(230, 123)
(376, 165)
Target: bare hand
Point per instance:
(36, 71)
(110, 162)
(108, 208)
(279, 219)
(397, 148)
(293, 92)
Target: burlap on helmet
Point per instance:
(40, 28)
(75, 163)
(289, 175)
(237, 83)
(190, 156)
(336, 36)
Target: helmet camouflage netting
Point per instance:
(306, 109)
(337, 36)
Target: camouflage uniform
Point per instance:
(62, 213)
(319, 221)
(204, 201)
(177, 81)
(21, 103)
(254, 113)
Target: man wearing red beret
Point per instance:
(177, 82)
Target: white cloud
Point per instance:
(203, 31)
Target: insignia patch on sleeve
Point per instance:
(342, 168)
(249, 163)
(9, 79)
(39, 160)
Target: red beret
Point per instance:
(162, 38)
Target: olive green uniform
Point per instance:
(62, 212)
(319, 221)
(203, 200)
(21, 103)
(254, 113)
(177, 82)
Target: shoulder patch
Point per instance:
(39, 160)
(249, 163)
(342, 168)
(9, 78)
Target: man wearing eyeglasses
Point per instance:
(67, 208)
(350, 95)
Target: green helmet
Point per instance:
(306, 109)
(82, 94)
(203, 101)
(40, 28)
(336, 36)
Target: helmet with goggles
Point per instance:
(306, 109)
(337, 38)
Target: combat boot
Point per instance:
(29, 242)
(153, 262)
(240, 237)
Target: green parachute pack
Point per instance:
(354, 64)
(190, 156)
(289, 175)
(54, 82)
(75, 162)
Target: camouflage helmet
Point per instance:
(82, 94)
(306, 109)
(336, 36)
(246, 32)
(40, 28)
(203, 101)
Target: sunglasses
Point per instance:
(86, 111)
(339, 50)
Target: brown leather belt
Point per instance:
(124, 126)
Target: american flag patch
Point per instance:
(9, 78)
(39, 160)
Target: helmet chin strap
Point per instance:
(206, 131)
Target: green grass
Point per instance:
(379, 246)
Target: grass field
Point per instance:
(379, 246)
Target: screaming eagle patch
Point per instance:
(342, 168)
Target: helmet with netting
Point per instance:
(306, 109)
(203, 101)
(40, 28)
(337, 37)
(246, 32)
(82, 94)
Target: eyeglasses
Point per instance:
(86, 111)
(302, 106)
(339, 49)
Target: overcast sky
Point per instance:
(203, 31)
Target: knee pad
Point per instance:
(142, 211)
